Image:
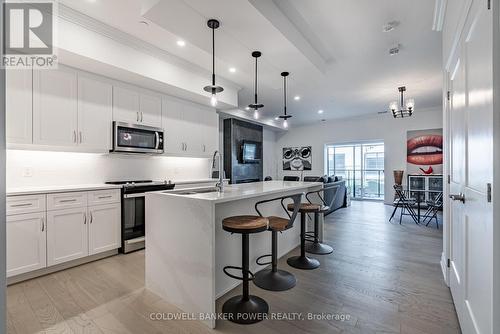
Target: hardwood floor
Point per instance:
(382, 277)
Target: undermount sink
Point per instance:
(195, 191)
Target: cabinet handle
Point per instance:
(204, 148)
(186, 146)
(74, 136)
(91, 217)
(142, 116)
(43, 224)
(68, 200)
(84, 219)
(137, 116)
(103, 197)
(80, 133)
(20, 205)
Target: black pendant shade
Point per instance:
(256, 105)
(285, 117)
(213, 88)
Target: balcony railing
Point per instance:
(364, 184)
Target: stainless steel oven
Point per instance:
(133, 211)
(135, 138)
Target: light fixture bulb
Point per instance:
(393, 106)
(213, 100)
(320, 111)
(410, 104)
(285, 124)
(256, 114)
(296, 98)
(181, 43)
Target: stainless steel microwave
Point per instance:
(135, 138)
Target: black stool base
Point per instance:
(279, 280)
(245, 312)
(318, 248)
(303, 262)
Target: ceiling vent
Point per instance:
(394, 50)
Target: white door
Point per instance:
(67, 235)
(95, 113)
(174, 126)
(104, 228)
(126, 103)
(471, 171)
(55, 110)
(150, 108)
(26, 242)
(19, 107)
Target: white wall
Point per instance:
(64, 168)
(270, 166)
(372, 128)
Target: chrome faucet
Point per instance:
(220, 184)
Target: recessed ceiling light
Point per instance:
(181, 43)
(296, 98)
(320, 111)
(232, 69)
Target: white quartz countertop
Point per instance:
(241, 191)
(196, 181)
(59, 189)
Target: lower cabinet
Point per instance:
(67, 235)
(104, 228)
(26, 242)
(54, 236)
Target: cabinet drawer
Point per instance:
(103, 197)
(66, 200)
(25, 204)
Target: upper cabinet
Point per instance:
(19, 99)
(55, 109)
(190, 129)
(136, 106)
(94, 113)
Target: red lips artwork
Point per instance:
(425, 150)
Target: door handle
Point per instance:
(460, 197)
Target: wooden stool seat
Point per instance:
(277, 223)
(309, 207)
(245, 224)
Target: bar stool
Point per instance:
(275, 279)
(245, 308)
(302, 261)
(316, 247)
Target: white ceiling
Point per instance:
(335, 50)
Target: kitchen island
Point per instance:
(186, 247)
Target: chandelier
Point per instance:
(402, 109)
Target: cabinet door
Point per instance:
(104, 228)
(95, 112)
(150, 108)
(19, 107)
(55, 110)
(174, 126)
(67, 235)
(193, 120)
(26, 242)
(210, 132)
(126, 103)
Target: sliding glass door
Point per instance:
(361, 165)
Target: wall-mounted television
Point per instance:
(250, 152)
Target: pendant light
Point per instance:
(213, 89)
(285, 117)
(256, 106)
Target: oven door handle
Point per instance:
(157, 134)
(134, 195)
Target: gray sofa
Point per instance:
(340, 200)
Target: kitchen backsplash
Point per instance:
(43, 168)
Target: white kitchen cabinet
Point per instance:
(67, 235)
(190, 129)
(95, 113)
(55, 108)
(26, 240)
(174, 126)
(104, 227)
(150, 109)
(126, 105)
(19, 107)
